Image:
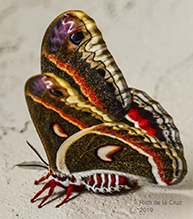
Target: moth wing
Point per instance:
(58, 111)
(73, 49)
(119, 148)
(149, 115)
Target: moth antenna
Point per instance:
(38, 154)
(31, 164)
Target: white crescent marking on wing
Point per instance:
(105, 152)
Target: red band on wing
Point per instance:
(65, 116)
(86, 90)
(142, 122)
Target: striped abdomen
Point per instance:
(107, 183)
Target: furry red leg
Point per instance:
(50, 184)
(68, 193)
(42, 178)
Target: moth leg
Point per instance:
(50, 184)
(42, 178)
(68, 193)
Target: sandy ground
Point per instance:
(152, 42)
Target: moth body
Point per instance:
(94, 182)
(100, 181)
(107, 183)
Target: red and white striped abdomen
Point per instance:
(107, 183)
